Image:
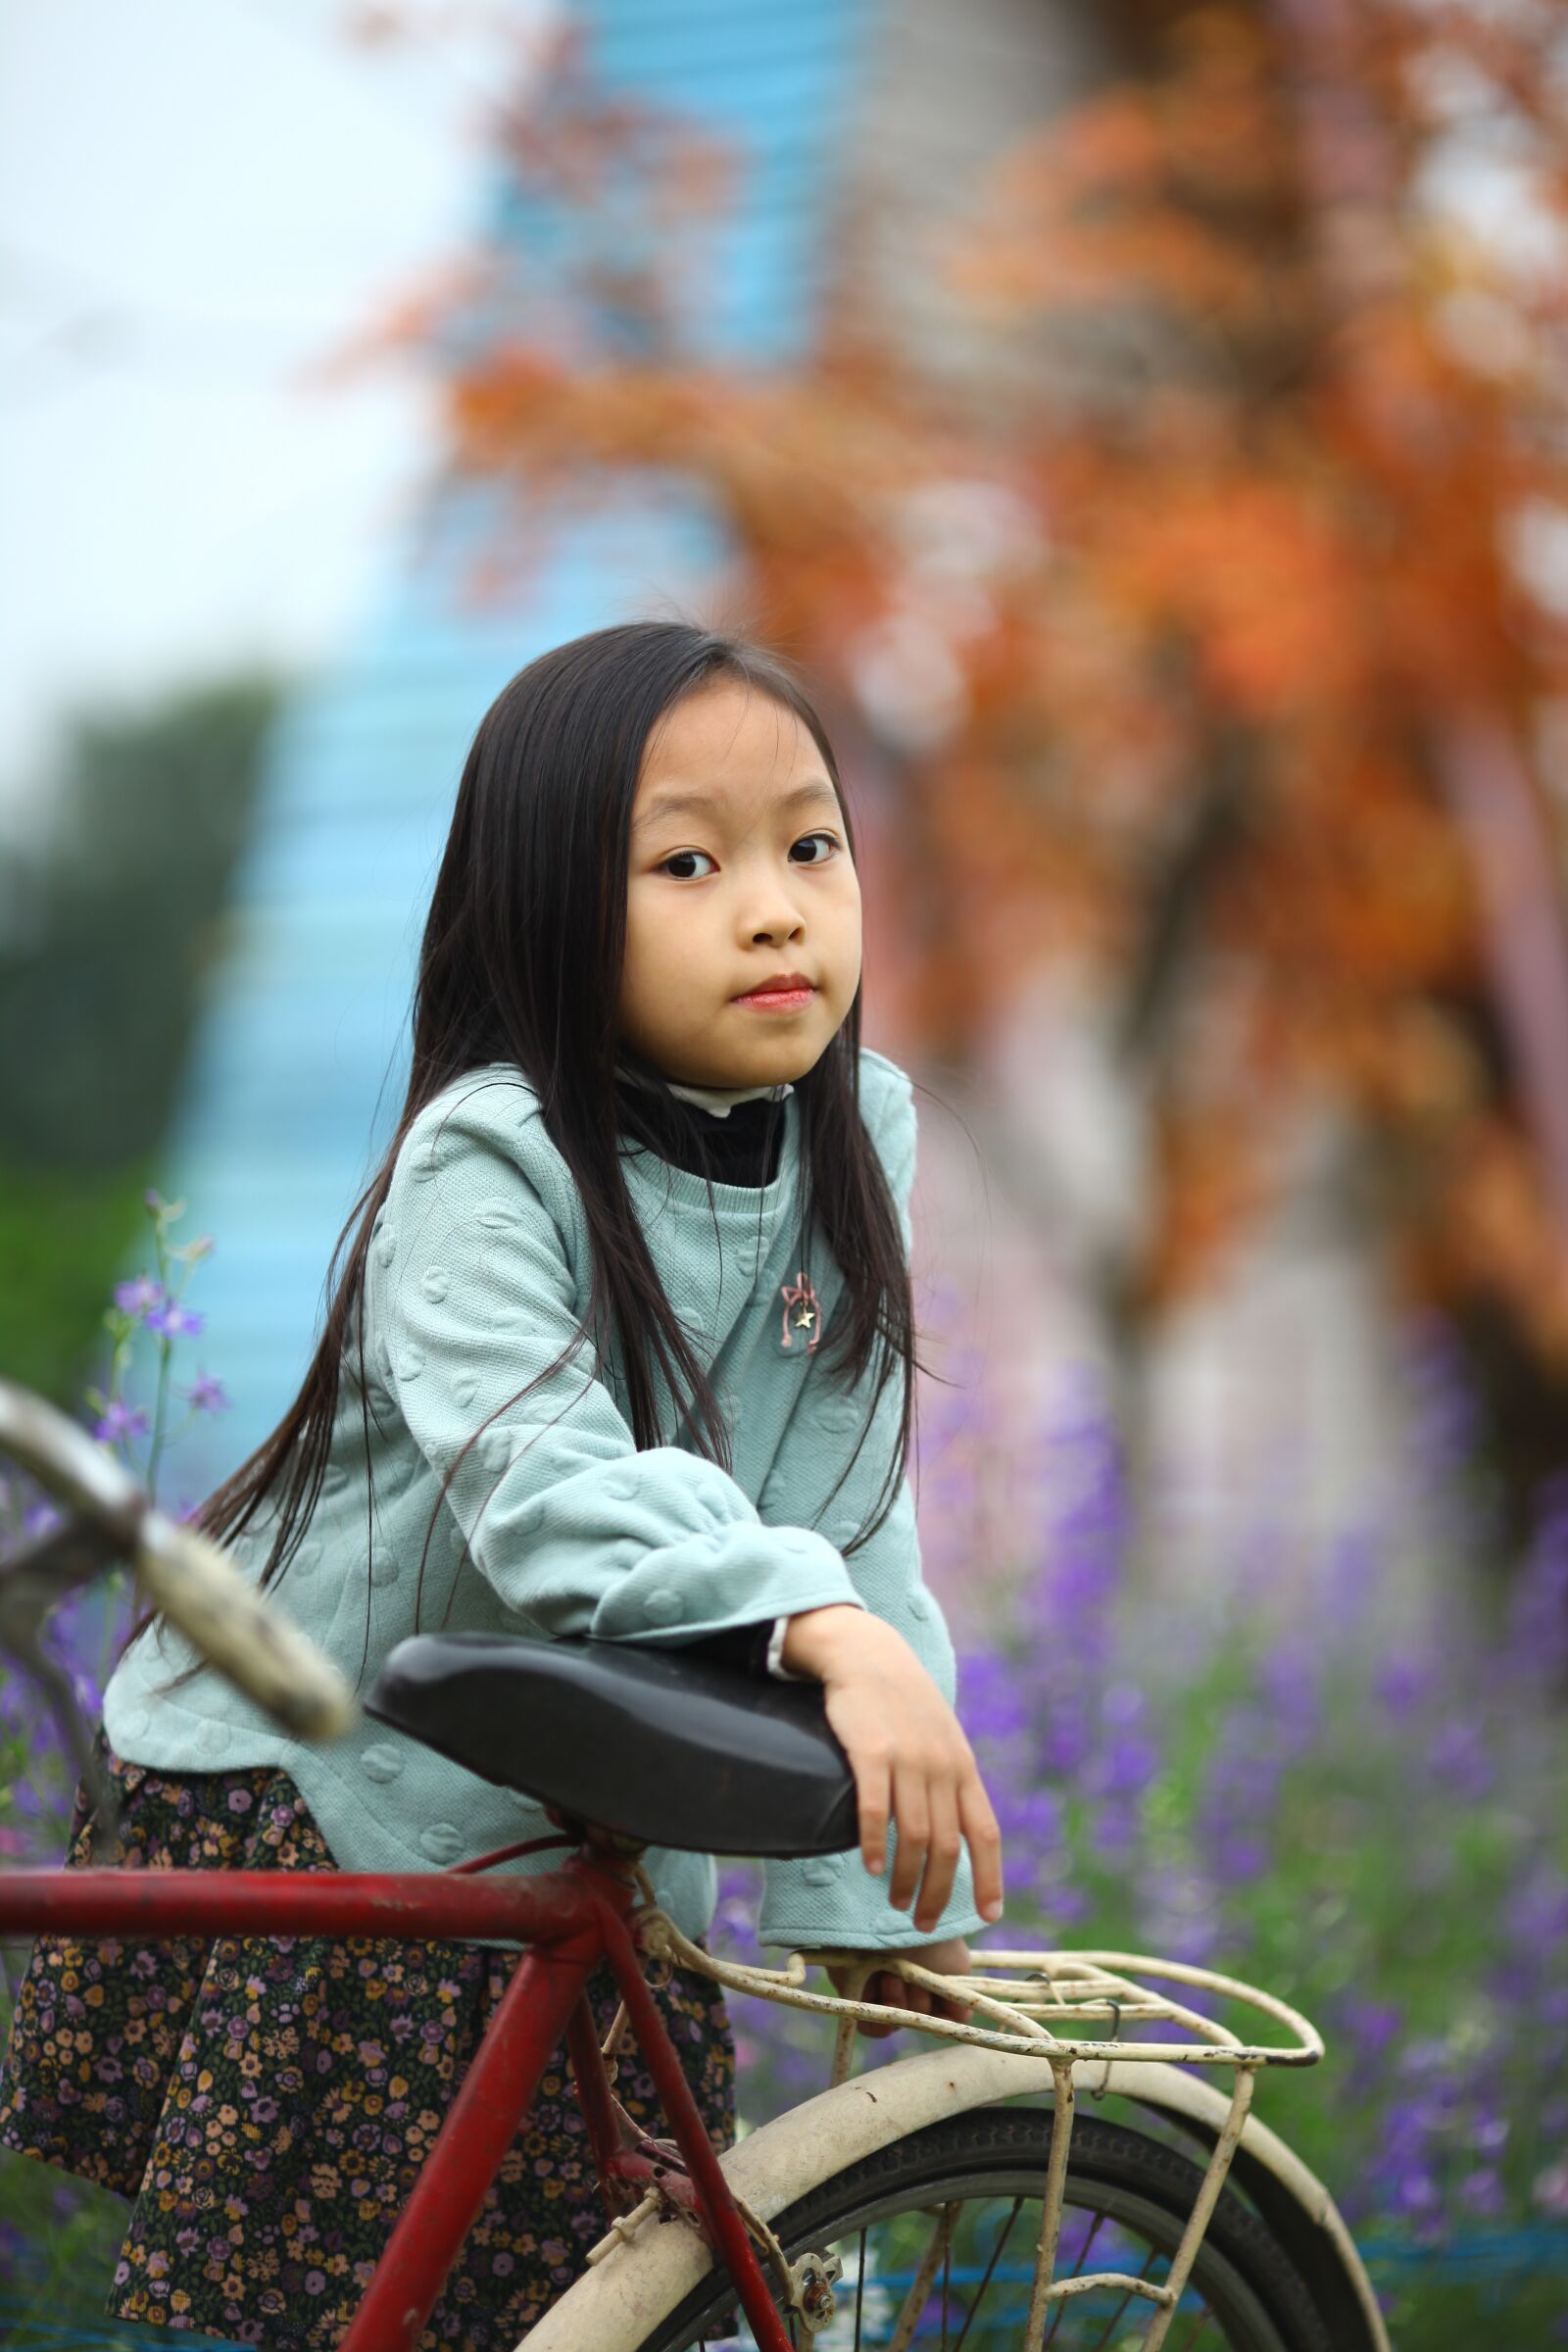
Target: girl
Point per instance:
(613, 1353)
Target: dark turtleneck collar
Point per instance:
(732, 1150)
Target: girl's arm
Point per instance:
(891, 1681)
(915, 1770)
(472, 1297)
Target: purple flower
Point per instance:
(1115, 1830)
(1242, 1855)
(1538, 1611)
(1030, 1819)
(994, 1706)
(121, 1421)
(205, 1395)
(1404, 1682)
(1290, 1677)
(1457, 1756)
(1355, 1559)
(1125, 1766)
(173, 1319)
(1445, 1409)
(1067, 1738)
(139, 1298)
(1537, 1911)
(1123, 1702)
(1371, 2026)
(1549, 2189)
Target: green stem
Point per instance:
(165, 1348)
(47, 1803)
(114, 1585)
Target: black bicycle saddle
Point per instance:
(670, 1748)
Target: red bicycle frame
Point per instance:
(572, 1918)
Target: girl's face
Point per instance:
(748, 877)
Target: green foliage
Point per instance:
(107, 930)
(60, 2236)
(84, 2227)
(62, 1233)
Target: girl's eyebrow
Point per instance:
(704, 803)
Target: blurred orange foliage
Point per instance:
(1227, 681)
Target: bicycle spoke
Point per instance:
(1203, 2318)
(963, 2310)
(1103, 2338)
(920, 2284)
(1075, 2273)
(995, 2257)
(946, 2247)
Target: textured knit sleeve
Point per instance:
(470, 1297)
(833, 1899)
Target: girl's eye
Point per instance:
(678, 856)
(665, 863)
(829, 838)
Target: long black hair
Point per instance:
(520, 963)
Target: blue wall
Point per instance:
(300, 1064)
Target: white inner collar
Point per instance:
(719, 1100)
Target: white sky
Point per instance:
(197, 198)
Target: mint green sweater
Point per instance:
(477, 1275)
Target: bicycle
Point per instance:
(870, 2217)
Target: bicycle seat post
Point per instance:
(606, 1853)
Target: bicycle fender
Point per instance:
(617, 2304)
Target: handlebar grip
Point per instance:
(199, 1589)
(185, 1574)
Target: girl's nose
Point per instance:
(780, 923)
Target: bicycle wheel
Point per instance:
(1126, 2204)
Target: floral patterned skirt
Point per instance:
(268, 2103)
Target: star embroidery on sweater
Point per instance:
(802, 1296)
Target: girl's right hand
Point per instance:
(911, 1762)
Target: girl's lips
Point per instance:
(778, 1000)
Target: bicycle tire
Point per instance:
(1259, 2301)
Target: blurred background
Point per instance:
(1145, 423)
